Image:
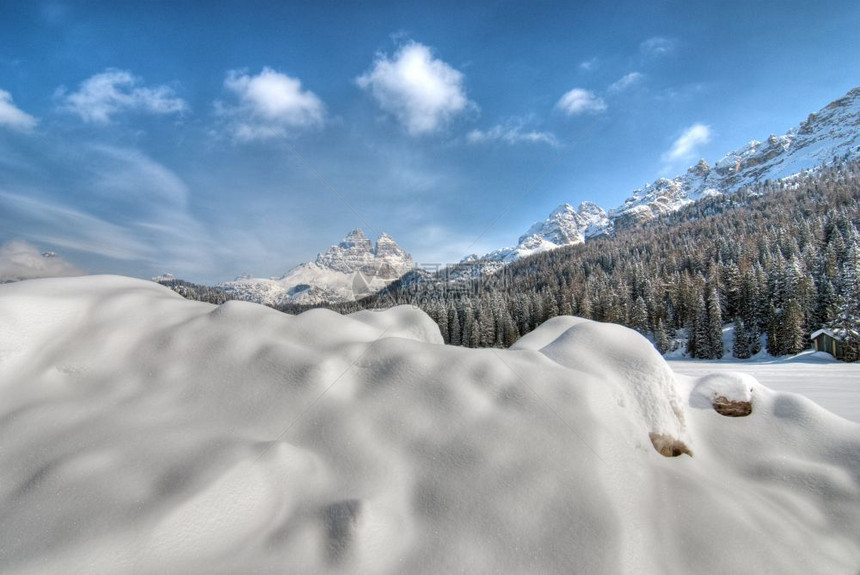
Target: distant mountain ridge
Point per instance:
(832, 132)
(344, 272)
(356, 267)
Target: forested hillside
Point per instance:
(779, 259)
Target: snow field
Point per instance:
(140, 432)
(832, 384)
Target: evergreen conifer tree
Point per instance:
(741, 347)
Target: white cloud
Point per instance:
(658, 46)
(23, 261)
(579, 101)
(422, 92)
(687, 144)
(626, 82)
(512, 132)
(13, 117)
(116, 91)
(271, 104)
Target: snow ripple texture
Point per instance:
(144, 433)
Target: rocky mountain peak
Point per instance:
(701, 169)
(562, 227)
(352, 253)
(357, 253)
(595, 219)
(589, 208)
(562, 210)
(350, 269)
(393, 261)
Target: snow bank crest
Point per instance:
(623, 358)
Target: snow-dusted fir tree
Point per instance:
(453, 326)
(847, 321)
(715, 325)
(661, 340)
(792, 337)
(639, 315)
(698, 344)
(440, 315)
(774, 333)
(741, 347)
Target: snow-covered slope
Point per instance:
(346, 271)
(144, 433)
(832, 132)
(565, 226)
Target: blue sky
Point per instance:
(213, 139)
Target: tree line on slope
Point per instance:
(196, 292)
(779, 259)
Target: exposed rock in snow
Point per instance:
(142, 432)
(730, 394)
(346, 271)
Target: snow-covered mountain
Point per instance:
(349, 270)
(832, 132)
(565, 226)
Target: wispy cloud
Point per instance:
(657, 46)
(23, 261)
(52, 222)
(128, 173)
(580, 101)
(114, 204)
(589, 65)
(12, 116)
(422, 92)
(270, 104)
(625, 82)
(682, 93)
(514, 131)
(113, 92)
(688, 143)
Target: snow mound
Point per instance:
(402, 321)
(730, 394)
(144, 433)
(624, 358)
(732, 386)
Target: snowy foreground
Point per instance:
(832, 384)
(140, 432)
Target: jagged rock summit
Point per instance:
(565, 226)
(346, 271)
(831, 133)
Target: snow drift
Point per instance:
(140, 432)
